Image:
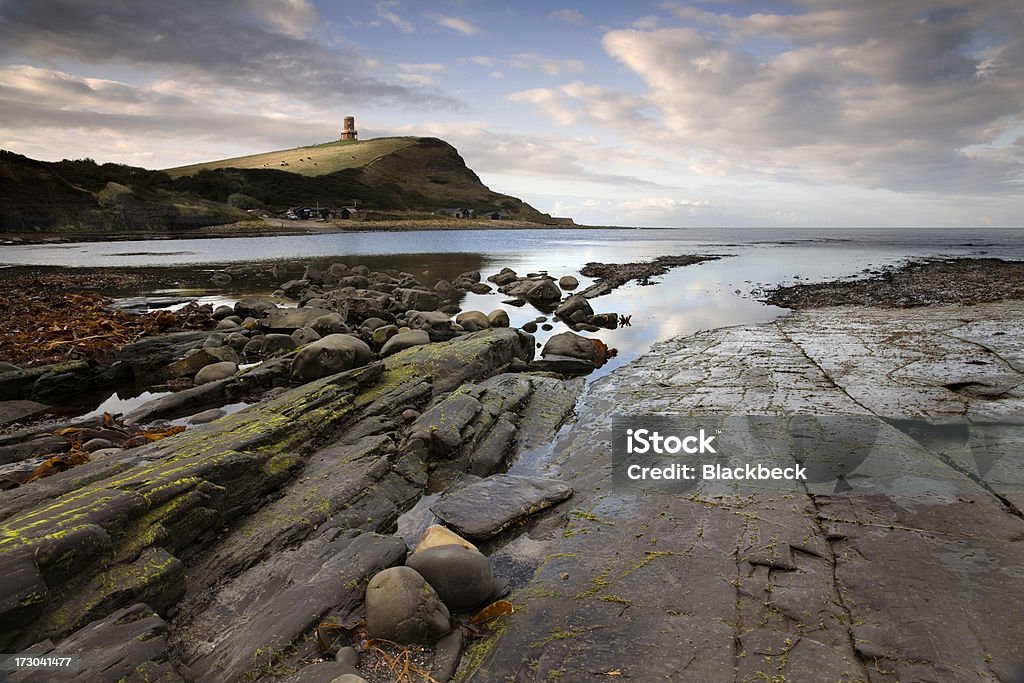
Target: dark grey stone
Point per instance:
(461, 577)
(330, 355)
(401, 606)
(404, 340)
(483, 509)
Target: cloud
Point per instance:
(385, 13)
(914, 95)
(491, 151)
(249, 45)
(578, 102)
(481, 60)
(463, 26)
(570, 16)
(549, 65)
(420, 74)
(47, 110)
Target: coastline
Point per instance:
(347, 459)
(280, 228)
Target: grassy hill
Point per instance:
(403, 174)
(391, 174)
(80, 196)
(312, 161)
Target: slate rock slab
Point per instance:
(128, 645)
(483, 509)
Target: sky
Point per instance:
(821, 113)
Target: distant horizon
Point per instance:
(788, 113)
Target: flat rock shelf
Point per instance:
(794, 587)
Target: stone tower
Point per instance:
(349, 132)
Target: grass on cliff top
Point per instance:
(315, 160)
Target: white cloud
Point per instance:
(397, 21)
(578, 102)
(463, 26)
(481, 60)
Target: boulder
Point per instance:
(503, 277)
(446, 290)
(290, 319)
(220, 278)
(477, 318)
(419, 299)
(330, 323)
(222, 312)
(530, 327)
(373, 323)
(484, 508)
(278, 344)
(568, 282)
(256, 308)
(461, 576)
(333, 354)
(404, 340)
(498, 318)
(207, 416)
(572, 305)
(198, 359)
(537, 291)
(437, 535)
(214, 372)
(606, 320)
(401, 606)
(432, 320)
(571, 345)
(293, 289)
(98, 444)
(305, 335)
(382, 334)
(361, 308)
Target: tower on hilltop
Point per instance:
(349, 131)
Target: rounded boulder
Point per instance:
(214, 372)
(401, 606)
(462, 577)
(404, 340)
(328, 356)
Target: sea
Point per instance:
(683, 301)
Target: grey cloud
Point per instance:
(883, 94)
(241, 44)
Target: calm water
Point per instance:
(686, 300)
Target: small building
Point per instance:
(495, 216)
(344, 214)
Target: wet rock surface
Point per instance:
(919, 283)
(244, 534)
(876, 587)
(485, 508)
(609, 276)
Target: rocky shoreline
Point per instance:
(365, 393)
(259, 544)
(917, 283)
